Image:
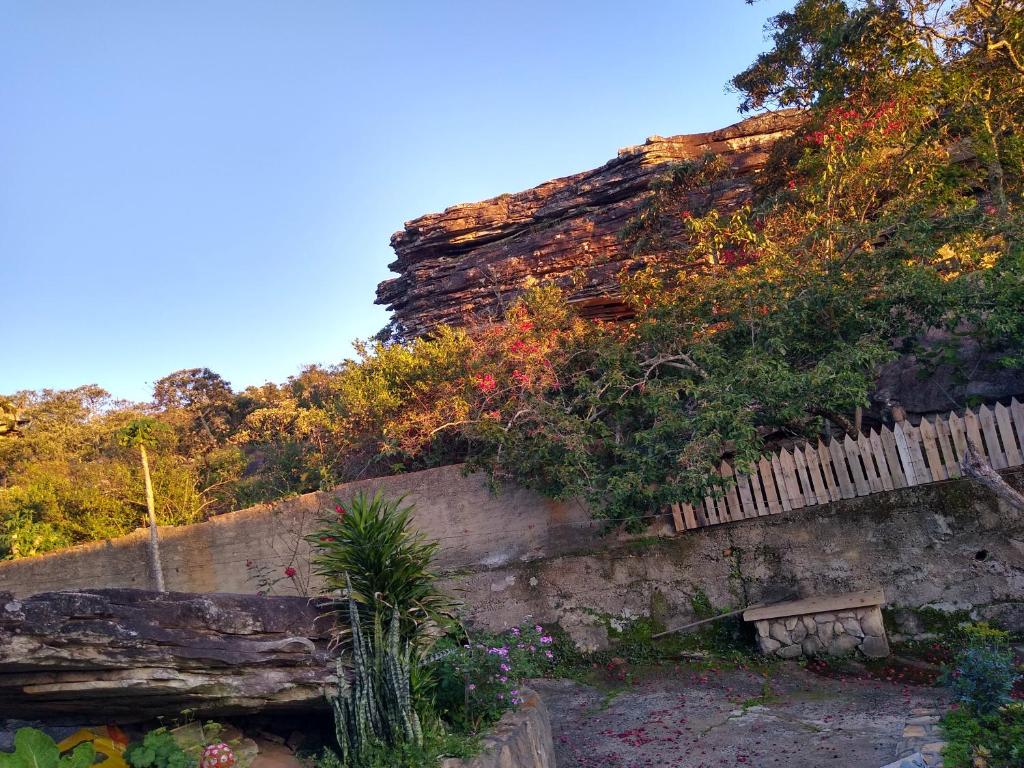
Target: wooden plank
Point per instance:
(677, 518)
(814, 471)
(957, 431)
(973, 431)
(780, 483)
(689, 517)
(846, 487)
(1005, 429)
(867, 454)
(760, 503)
(816, 604)
(929, 439)
(801, 475)
(826, 469)
(746, 499)
(764, 467)
(700, 515)
(796, 499)
(860, 480)
(711, 511)
(917, 456)
(731, 499)
(880, 461)
(946, 443)
(899, 432)
(1017, 413)
(892, 458)
(988, 428)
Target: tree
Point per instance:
(141, 433)
(12, 420)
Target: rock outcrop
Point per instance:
(132, 655)
(473, 258)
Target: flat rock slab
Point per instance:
(687, 718)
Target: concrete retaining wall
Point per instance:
(245, 551)
(513, 556)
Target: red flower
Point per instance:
(290, 572)
(486, 383)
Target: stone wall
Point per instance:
(520, 739)
(833, 625)
(946, 547)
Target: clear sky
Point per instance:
(214, 182)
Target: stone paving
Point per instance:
(686, 718)
(922, 736)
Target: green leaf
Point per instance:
(81, 756)
(34, 749)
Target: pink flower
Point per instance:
(290, 572)
(486, 383)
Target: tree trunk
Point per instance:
(154, 535)
(975, 466)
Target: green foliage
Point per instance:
(375, 710)
(34, 749)
(369, 548)
(477, 681)
(997, 738)
(983, 674)
(158, 749)
(894, 209)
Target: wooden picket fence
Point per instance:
(842, 468)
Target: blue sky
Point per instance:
(214, 183)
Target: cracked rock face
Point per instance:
(473, 258)
(135, 654)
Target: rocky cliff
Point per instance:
(473, 258)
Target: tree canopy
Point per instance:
(894, 209)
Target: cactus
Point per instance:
(376, 707)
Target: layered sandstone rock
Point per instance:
(132, 654)
(473, 258)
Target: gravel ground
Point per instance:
(689, 718)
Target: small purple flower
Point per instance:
(472, 686)
(549, 654)
(503, 679)
(540, 629)
(504, 667)
(515, 631)
(546, 640)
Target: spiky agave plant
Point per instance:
(376, 707)
(369, 547)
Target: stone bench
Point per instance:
(835, 625)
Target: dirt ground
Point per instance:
(786, 717)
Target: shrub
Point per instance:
(158, 749)
(983, 677)
(369, 547)
(480, 679)
(997, 738)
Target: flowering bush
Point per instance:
(481, 678)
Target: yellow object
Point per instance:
(105, 747)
